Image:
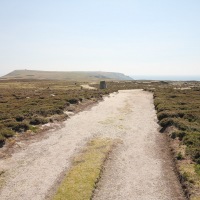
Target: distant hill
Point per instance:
(65, 75)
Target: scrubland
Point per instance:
(25, 105)
(178, 113)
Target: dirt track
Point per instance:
(139, 169)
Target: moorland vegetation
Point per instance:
(26, 104)
(178, 110)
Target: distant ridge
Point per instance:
(65, 75)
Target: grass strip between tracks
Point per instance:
(80, 182)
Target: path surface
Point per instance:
(139, 168)
(88, 87)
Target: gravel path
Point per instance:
(138, 169)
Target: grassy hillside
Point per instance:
(69, 76)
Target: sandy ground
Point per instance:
(140, 168)
(88, 87)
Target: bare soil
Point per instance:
(88, 87)
(140, 168)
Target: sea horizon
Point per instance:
(166, 78)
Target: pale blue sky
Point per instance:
(139, 37)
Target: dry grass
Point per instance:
(81, 180)
(190, 175)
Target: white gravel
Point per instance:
(137, 169)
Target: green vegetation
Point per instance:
(81, 180)
(180, 110)
(25, 104)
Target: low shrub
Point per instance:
(2, 140)
(192, 141)
(197, 169)
(38, 120)
(7, 132)
(18, 126)
(179, 156)
(73, 101)
(19, 118)
(166, 122)
(179, 134)
(167, 114)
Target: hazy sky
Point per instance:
(139, 37)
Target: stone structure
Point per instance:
(103, 85)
